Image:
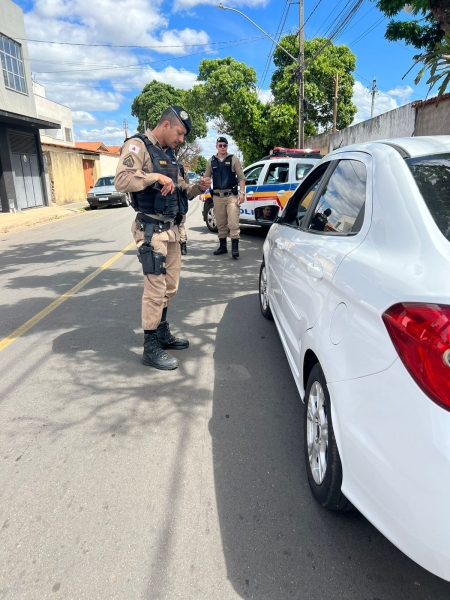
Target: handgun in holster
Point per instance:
(152, 262)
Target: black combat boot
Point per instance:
(183, 248)
(235, 248)
(169, 341)
(154, 355)
(222, 249)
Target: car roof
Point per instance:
(409, 147)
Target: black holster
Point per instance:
(234, 190)
(152, 262)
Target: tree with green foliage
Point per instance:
(322, 61)
(228, 95)
(423, 33)
(429, 34)
(149, 105)
(200, 165)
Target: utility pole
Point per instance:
(301, 84)
(335, 101)
(373, 91)
(125, 128)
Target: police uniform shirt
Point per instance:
(135, 169)
(236, 167)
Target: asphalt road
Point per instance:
(119, 481)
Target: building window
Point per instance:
(12, 64)
(68, 134)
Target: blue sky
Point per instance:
(99, 82)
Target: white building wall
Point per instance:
(12, 26)
(108, 165)
(52, 111)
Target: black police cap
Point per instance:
(183, 117)
(222, 139)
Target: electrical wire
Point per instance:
(138, 67)
(277, 36)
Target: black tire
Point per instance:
(210, 217)
(263, 295)
(323, 463)
(94, 207)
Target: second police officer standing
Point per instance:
(148, 169)
(227, 174)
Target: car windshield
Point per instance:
(105, 181)
(432, 175)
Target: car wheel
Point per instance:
(94, 207)
(323, 463)
(127, 201)
(264, 294)
(211, 218)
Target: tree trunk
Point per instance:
(441, 12)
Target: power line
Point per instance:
(369, 30)
(277, 36)
(141, 66)
(136, 46)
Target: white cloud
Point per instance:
(81, 117)
(265, 96)
(384, 101)
(108, 135)
(179, 78)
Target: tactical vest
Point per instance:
(223, 177)
(150, 200)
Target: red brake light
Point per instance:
(421, 336)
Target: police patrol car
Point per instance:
(269, 183)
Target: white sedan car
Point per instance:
(356, 274)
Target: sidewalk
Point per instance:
(33, 216)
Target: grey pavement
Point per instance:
(122, 482)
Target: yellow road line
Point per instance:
(5, 342)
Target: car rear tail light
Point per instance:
(421, 336)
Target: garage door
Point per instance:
(27, 177)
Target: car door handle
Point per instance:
(281, 245)
(315, 270)
(249, 193)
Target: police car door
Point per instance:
(275, 183)
(252, 176)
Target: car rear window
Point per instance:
(432, 175)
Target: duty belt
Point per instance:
(221, 194)
(160, 226)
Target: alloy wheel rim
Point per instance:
(263, 290)
(211, 217)
(317, 433)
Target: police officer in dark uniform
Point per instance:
(319, 220)
(227, 175)
(149, 171)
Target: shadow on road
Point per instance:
(278, 543)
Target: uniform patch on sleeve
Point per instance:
(133, 148)
(128, 161)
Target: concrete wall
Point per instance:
(108, 165)
(396, 123)
(65, 170)
(52, 111)
(432, 119)
(12, 26)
